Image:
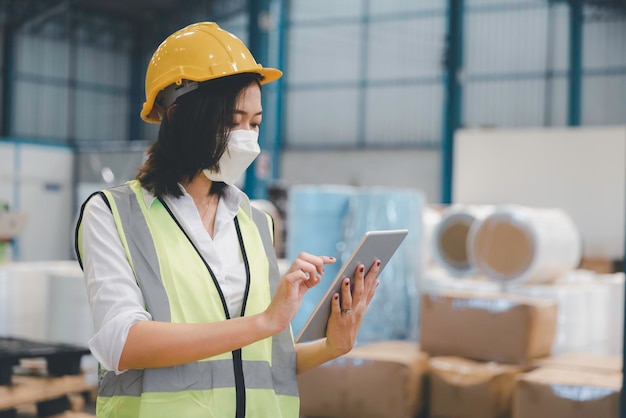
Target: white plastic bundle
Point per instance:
(23, 300)
(449, 245)
(590, 314)
(517, 244)
(612, 324)
(68, 318)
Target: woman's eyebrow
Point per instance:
(243, 112)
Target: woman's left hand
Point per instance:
(347, 311)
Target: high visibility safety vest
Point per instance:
(258, 380)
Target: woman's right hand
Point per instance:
(305, 272)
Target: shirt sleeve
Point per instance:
(114, 296)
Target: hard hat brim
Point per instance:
(149, 112)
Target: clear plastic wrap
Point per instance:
(394, 311)
(315, 224)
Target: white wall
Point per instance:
(416, 169)
(37, 180)
(7, 162)
(582, 171)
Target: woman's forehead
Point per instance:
(249, 98)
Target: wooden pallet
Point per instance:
(38, 389)
(43, 378)
(77, 405)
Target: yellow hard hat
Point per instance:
(198, 52)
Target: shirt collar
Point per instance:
(233, 197)
(148, 197)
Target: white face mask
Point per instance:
(241, 150)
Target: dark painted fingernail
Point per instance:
(331, 258)
(346, 282)
(361, 269)
(378, 263)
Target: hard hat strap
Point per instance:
(168, 95)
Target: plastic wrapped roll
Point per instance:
(572, 333)
(436, 280)
(610, 309)
(393, 313)
(430, 219)
(517, 244)
(590, 311)
(315, 224)
(449, 245)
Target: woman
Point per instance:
(191, 316)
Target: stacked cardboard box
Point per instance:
(583, 361)
(376, 380)
(574, 385)
(490, 327)
(466, 388)
(484, 356)
(480, 343)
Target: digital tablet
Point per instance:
(375, 245)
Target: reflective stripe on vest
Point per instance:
(276, 374)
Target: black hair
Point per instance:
(194, 135)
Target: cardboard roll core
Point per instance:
(502, 249)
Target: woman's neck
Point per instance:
(199, 189)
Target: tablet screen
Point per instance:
(373, 245)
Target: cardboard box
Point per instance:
(491, 327)
(583, 362)
(561, 393)
(376, 380)
(462, 388)
(601, 265)
(11, 225)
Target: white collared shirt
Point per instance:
(116, 300)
